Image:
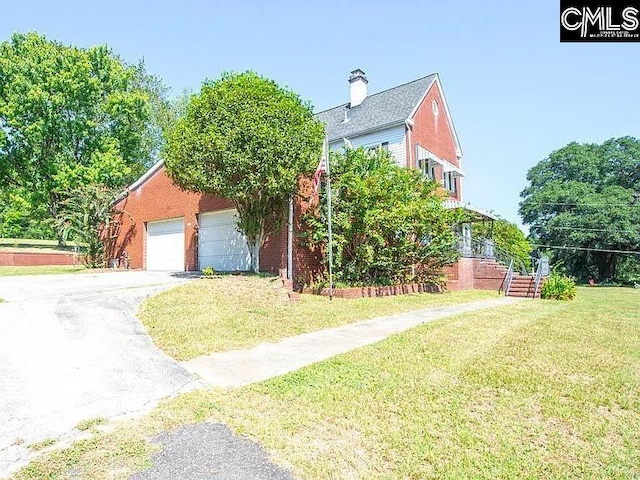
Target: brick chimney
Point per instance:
(358, 82)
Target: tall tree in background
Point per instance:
(247, 139)
(584, 202)
(70, 117)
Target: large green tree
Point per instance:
(247, 139)
(19, 218)
(72, 116)
(583, 204)
(389, 223)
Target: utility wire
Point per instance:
(631, 252)
(574, 204)
(551, 227)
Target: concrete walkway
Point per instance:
(242, 367)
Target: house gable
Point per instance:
(405, 109)
(436, 92)
(432, 128)
(432, 131)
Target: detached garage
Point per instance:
(220, 245)
(165, 245)
(163, 227)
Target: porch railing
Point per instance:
(506, 282)
(479, 247)
(542, 270)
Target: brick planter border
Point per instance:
(379, 291)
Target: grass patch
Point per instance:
(90, 423)
(47, 442)
(40, 270)
(235, 312)
(539, 389)
(102, 456)
(28, 242)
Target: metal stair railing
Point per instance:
(508, 278)
(542, 270)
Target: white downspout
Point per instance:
(409, 123)
(290, 241)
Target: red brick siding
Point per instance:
(478, 273)
(460, 275)
(433, 133)
(160, 199)
(24, 259)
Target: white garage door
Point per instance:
(165, 245)
(220, 245)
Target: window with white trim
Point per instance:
(427, 167)
(449, 181)
(379, 146)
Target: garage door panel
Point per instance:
(220, 245)
(165, 245)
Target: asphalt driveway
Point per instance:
(72, 349)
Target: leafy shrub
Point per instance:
(208, 271)
(389, 223)
(90, 217)
(558, 287)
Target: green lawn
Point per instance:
(539, 389)
(234, 312)
(26, 242)
(40, 270)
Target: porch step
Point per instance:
(524, 286)
(490, 265)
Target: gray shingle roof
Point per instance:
(388, 107)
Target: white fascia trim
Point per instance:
(147, 175)
(452, 203)
(424, 95)
(449, 119)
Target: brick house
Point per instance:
(412, 121)
(165, 228)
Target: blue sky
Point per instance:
(515, 92)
